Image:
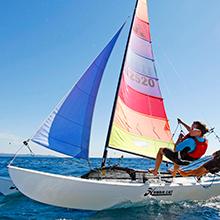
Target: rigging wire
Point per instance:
(13, 158)
(89, 164)
(206, 186)
(166, 87)
(189, 85)
(25, 144)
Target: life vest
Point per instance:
(200, 149)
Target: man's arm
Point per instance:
(192, 133)
(188, 128)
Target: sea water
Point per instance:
(21, 207)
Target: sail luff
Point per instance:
(117, 90)
(67, 129)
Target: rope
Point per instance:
(89, 164)
(217, 174)
(25, 144)
(212, 131)
(169, 92)
(175, 131)
(19, 149)
(206, 186)
(190, 85)
(79, 161)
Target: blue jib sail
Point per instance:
(67, 129)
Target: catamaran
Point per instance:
(138, 125)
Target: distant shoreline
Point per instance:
(51, 156)
(24, 155)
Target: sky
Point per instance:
(46, 45)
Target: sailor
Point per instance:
(212, 166)
(187, 148)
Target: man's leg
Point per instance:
(159, 159)
(175, 168)
(180, 138)
(197, 172)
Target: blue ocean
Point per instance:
(21, 207)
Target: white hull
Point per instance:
(78, 193)
(7, 187)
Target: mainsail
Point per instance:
(140, 125)
(67, 129)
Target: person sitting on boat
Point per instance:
(212, 166)
(187, 148)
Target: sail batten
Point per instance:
(67, 129)
(140, 124)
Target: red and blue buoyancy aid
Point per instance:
(200, 149)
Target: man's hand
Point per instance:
(179, 120)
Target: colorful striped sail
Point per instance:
(140, 125)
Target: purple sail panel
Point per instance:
(140, 64)
(140, 46)
(67, 129)
(143, 84)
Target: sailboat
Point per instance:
(138, 125)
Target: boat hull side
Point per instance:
(73, 192)
(78, 193)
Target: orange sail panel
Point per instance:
(140, 125)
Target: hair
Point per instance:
(202, 127)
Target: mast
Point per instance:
(117, 90)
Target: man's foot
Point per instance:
(198, 178)
(172, 172)
(153, 171)
(182, 173)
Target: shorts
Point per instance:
(213, 166)
(173, 156)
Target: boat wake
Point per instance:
(154, 209)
